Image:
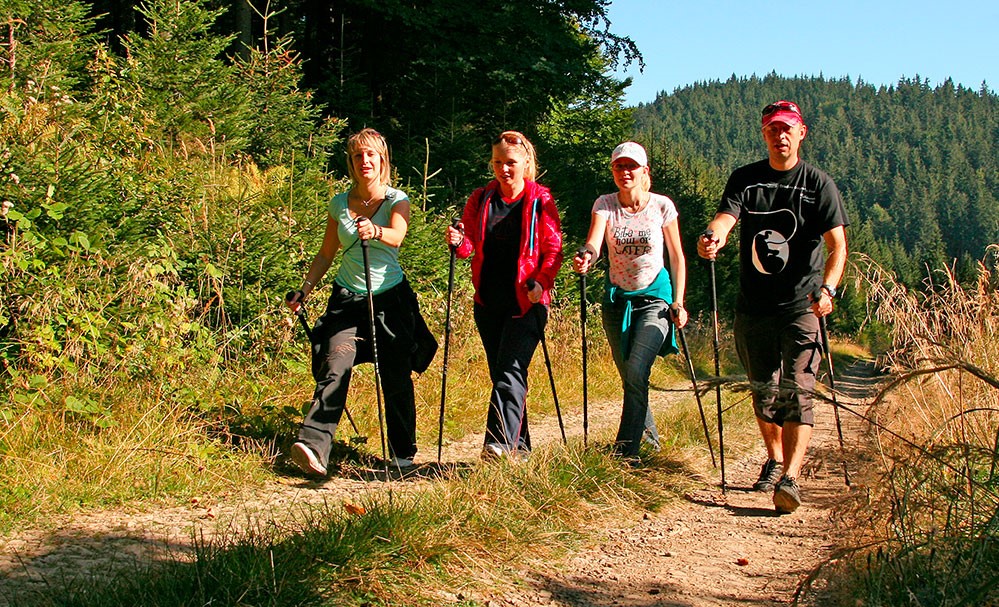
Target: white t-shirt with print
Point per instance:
(635, 240)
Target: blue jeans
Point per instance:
(510, 343)
(649, 328)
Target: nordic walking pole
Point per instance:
(447, 341)
(832, 386)
(710, 235)
(548, 363)
(374, 347)
(693, 380)
(581, 253)
(300, 313)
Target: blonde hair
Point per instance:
(516, 140)
(646, 182)
(372, 139)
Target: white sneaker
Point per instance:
(492, 452)
(306, 459)
(401, 462)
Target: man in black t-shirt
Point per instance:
(787, 210)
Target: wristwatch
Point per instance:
(831, 290)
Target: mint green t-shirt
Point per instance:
(385, 269)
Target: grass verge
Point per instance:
(455, 535)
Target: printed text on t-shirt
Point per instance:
(631, 242)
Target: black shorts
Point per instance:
(781, 355)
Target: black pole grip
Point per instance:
(357, 226)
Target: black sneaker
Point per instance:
(769, 475)
(786, 496)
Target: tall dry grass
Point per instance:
(934, 504)
(166, 414)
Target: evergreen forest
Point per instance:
(917, 165)
(165, 167)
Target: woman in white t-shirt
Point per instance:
(644, 297)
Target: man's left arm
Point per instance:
(836, 253)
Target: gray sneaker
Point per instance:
(769, 475)
(402, 462)
(786, 495)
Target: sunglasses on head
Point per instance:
(781, 106)
(509, 138)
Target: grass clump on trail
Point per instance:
(935, 505)
(454, 535)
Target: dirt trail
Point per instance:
(713, 549)
(720, 549)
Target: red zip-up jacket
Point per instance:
(540, 242)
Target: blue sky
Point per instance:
(878, 41)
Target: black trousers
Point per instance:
(342, 339)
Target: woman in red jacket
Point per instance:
(512, 230)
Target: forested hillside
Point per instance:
(918, 166)
(439, 79)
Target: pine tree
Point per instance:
(180, 82)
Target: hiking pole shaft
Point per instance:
(374, 353)
(548, 363)
(710, 235)
(823, 332)
(693, 380)
(581, 253)
(447, 343)
(300, 313)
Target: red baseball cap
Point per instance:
(782, 111)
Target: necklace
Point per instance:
(367, 203)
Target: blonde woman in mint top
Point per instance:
(373, 211)
(644, 295)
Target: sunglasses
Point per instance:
(625, 166)
(510, 139)
(781, 106)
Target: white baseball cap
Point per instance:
(630, 149)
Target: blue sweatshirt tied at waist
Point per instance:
(661, 288)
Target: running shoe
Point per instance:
(306, 459)
(492, 452)
(402, 462)
(786, 495)
(769, 475)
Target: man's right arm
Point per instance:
(719, 227)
